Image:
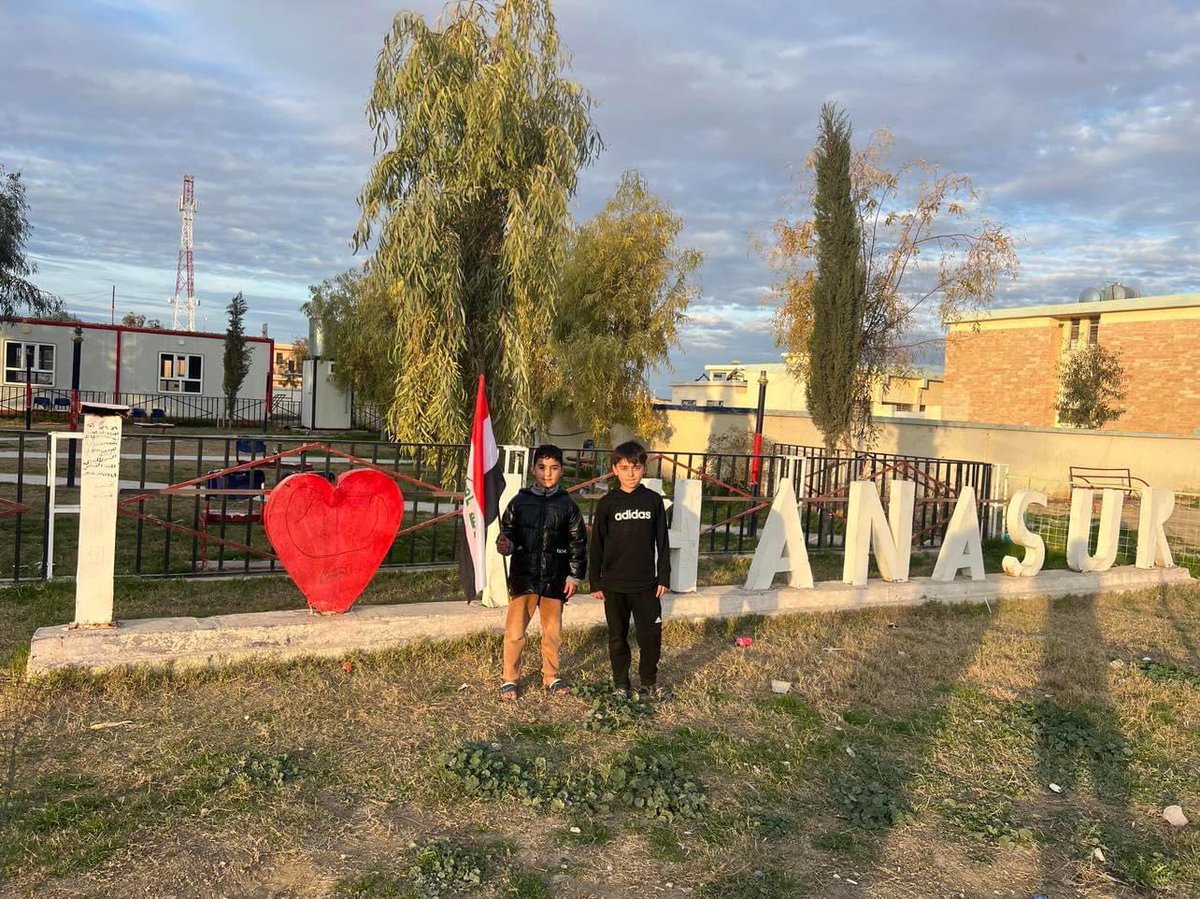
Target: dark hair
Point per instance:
(629, 451)
(548, 451)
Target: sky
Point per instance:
(1077, 119)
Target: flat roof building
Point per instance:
(1002, 366)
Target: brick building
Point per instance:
(1001, 366)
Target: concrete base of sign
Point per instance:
(205, 642)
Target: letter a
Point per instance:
(781, 533)
(962, 546)
(891, 536)
(1019, 533)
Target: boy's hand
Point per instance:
(569, 590)
(599, 594)
(503, 545)
(658, 593)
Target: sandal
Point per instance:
(510, 692)
(558, 687)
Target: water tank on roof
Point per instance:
(1113, 291)
(316, 338)
(1118, 291)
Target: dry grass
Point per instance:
(912, 758)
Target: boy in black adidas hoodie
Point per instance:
(631, 568)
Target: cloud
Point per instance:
(1078, 120)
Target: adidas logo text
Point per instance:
(631, 514)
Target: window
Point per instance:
(1084, 332)
(714, 402)
(178, 373)
(687, 402)
(38, 357)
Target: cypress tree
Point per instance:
(838, 297)
(237, 354)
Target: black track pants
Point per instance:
(646, 609)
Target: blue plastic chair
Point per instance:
(158, 413)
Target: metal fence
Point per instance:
(214, 527)
(824, 479)
(54, 404)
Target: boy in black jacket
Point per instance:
(631, 568)
(545, 533)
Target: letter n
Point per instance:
(890, 536)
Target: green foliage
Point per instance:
(838, 300)
(651, 784)
(526, 886)
(985, 821)
(359, 322)
(237, 353)
(1065, 733)
(1090, 388)
(1168, 672)
(875, 805)
(625, 291)
(443, 869)
(16, 290)
(608, 711)
(258, 770)
(479, 139)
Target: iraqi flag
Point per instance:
(481, 501)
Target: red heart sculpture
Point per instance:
(331, 538)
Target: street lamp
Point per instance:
(73, 422)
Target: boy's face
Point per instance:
(629, 474)
(547, 472)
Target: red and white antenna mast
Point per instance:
(185, 308)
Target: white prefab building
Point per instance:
(175, 375)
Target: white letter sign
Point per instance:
(1152, 547)
(782, 546)
(890, 536)
(962, 546)
(1019, 533)
(1080, 528)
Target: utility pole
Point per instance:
(756, 462)
(76, 356)
(114, 306)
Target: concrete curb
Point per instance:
(278, 636)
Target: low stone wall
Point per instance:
(278, 636)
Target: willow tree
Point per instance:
(16, 290)
(479, 139)
(928, 253)
(625, 290)
(837, 296)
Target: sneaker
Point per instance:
(653, 691)
(621, 692)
